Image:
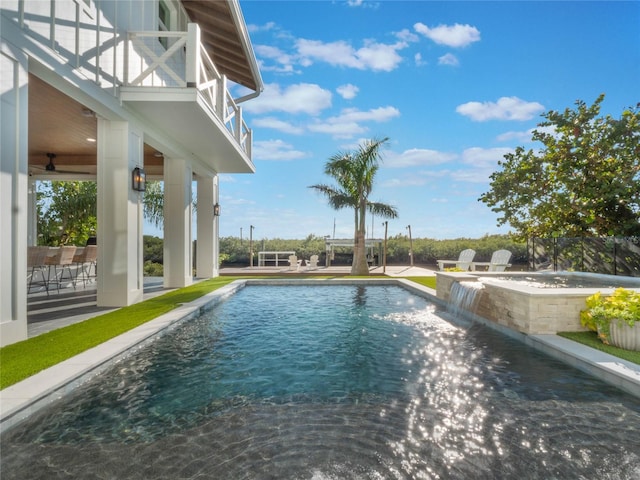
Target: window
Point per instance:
(164, 21)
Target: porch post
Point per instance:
(207, 222)
(13, 195)
(119, 235)
(177, 223)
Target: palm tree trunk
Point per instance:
(359, 265)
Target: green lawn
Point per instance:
(591, 339)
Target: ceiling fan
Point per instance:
(50, 167)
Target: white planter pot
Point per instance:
(624, 336)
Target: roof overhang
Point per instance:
(226, 39)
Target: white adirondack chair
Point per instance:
(312, 262)
(499, 261)
(463, 262)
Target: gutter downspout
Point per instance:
(236, 13)
(248, 97)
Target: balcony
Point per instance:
(171, 81)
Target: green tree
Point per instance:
(66, 212)
(354, 174)
(153, 203)
(584, 181)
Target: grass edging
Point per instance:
(424, 281)
(590, 339)
(26, 358)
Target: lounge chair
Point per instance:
(463, 262)
(498, 263)
(294, 263)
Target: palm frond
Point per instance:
(382, 210)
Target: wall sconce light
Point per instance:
(138, 180)
(216, 210)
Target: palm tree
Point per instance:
(354, 173)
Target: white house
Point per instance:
(109, 86)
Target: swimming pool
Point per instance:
(332, 382)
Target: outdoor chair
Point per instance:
(293, 262)
(312, 262)
(463, 262)
(61, 261)
(36, 257)
(498, 263)
(84, 260)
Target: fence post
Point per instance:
(615, 256)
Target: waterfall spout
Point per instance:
(463, 297)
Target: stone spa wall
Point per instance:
(522, 308)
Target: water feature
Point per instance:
(463, 297)
(349, 382)
(532, 303)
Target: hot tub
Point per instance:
(531, 303)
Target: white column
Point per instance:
(120, 274)
(206, 251)
(178, 271)
(13, 195)
(32, 213)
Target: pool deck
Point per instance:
(22, 399)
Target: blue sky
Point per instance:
(454, 85)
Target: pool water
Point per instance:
(344, 382)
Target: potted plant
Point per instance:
(615, 317)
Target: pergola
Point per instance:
(369, 243)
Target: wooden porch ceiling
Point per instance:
(60, 125)
(223, 39)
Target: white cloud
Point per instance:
(284, 60)
(484, 157)
(348, 123)
(261, 28)
(222, 178)
(418, 60)
(525, 136)
(277, 124)
(448, 59)
(338, 129)
(417, 157)
(374, 56)
(299, 98)
(347, 91)
(450, 35)
(518, 136)
(506, 108)
(380, 114)
(407, 36)
(276, 150)
(404, 182)
(480, 164)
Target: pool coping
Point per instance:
(24, 398)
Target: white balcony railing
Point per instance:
(160, 59)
